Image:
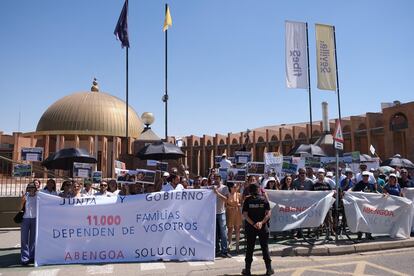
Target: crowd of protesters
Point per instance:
(230, 195)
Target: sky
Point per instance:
(226, 63)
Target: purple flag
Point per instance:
(121, 29)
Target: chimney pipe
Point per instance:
(325, 120)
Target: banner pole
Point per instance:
(337, 151)
(309, 86)
(166, 78)
(126, 88)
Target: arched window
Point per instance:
(398, 122)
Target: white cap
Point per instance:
(393, 175)
(224, 154)
(329, 174)
(187, 172)
(365, 173)
(321, 170)
(166, 174)
(348, 170)
(271, 179)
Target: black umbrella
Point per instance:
(398, 161)
(309, 150)
(63, 159)
(160, 151)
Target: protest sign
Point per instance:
(119, 165)
(288, 167)
(236, 175)
(176, 225)
(313, 162)
(255, 168)
(32, 154)
(354, 155)
(125, 176)
(83, 170)
(298, 209)
(144, 176)
(162, 166)
(242, 157)
(378, 214)
(152, 163)
(22, 170)
(271, 158)
(96, 176)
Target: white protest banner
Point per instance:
(325, 57)
(378, 214)
(296, 55)
(176, 225)
(298, 209)
(409, 193)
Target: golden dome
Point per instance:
(89, 113)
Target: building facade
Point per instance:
(390, 131)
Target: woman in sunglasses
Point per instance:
(28, 228)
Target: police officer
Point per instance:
(256, 212)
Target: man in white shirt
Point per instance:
(225, 163)
(358, 177)
(173, 184)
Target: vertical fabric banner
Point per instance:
(296, 55)
(325, 57)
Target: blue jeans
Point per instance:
(221, 233)
(27, 238)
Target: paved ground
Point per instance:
(377, 261)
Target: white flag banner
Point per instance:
(378, 214)
(298, 209)
(325, 57)
(372, 149)
(176, 225)
(409, 193)
(296, 55)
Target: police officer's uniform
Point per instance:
(256, 209)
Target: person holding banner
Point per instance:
(87, 188)
(50, 187)
(233, 214)
(256, 213)
(66, 189)
(173, 184)
(77, 188)
(405, 181)
(222, 193)
(321, 184)
(113, 187)
(392, 187)
(365, 186)
(302, 182)
(103, 189)
(28, 228)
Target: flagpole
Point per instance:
(126, 88)
(337, 80)
(309, 86)
(337, 150)
(165, 98)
